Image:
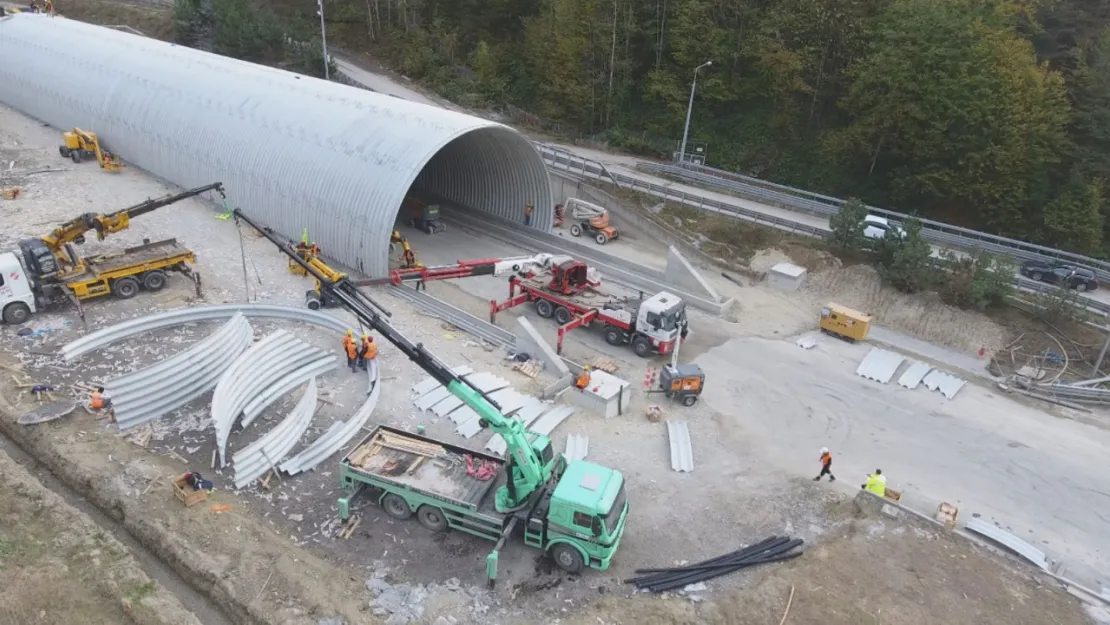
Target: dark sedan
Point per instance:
(1078, 278)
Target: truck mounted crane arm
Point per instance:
(466, 268)
(73, 231)
(527, 474)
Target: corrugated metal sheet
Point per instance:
(948, 385)
(295, 152)
(808, 341)
(578, 447)
(879, 365)
(682, 453)
(551, 420)
(427, 385)
(526, 415)
(254, 460)
(1008, 540)
(914, 374)
(439, 394)
(486, 382)
(447, 405)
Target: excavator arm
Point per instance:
(526, 473)
(73, 231)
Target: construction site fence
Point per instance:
(562, 160)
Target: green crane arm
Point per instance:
(526, 473)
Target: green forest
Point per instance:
(991, 114)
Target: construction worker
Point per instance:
(826, 466)
(559, 215)
(876, 483)
(583, 380)
(99, 400)
(367, 351)
(528, 214)
(351, 348)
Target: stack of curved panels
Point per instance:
(149, 393)
(106, 336)
(338, 434)
(265, 363)
(265, 453)
(308, 371)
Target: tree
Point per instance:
(1073, 219)
(847, 225)
(905, 259)
(950, 107)
(976, 282)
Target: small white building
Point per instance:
(786, 277)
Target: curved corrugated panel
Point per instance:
(294, 152)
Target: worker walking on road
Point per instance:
(351, 348)
(826, 466)
(528, 214)
(876, 483)
(583, 380)
(367, 351)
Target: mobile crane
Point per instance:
(575, 511)
(47, 269)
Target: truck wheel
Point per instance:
(567, 558)
(613, 336)
(432, 518)
(16, 313)
(544, 308)
(601, 238)
(125, 288)
(1036, 275)
(75, 155)
(64, 151)
(575, 230)
(396, 507)
(563, 316)
(154, 280)
(642, 346)
(689, 400)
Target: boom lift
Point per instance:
(592, 220)
(577, 511)
(78, 143)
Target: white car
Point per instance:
(876, 227)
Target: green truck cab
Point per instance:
(578, 516)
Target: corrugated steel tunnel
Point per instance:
(294, 152)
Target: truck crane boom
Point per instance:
(526, 474)
(73, 231)
(466, 268)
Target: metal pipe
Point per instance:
(689, 109)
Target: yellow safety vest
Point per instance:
(877, 484)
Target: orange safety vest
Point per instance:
(369, 350)
(352, 352)
(583, 380)
(826, 459)
(97, 401)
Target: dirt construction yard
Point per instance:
(272, 555)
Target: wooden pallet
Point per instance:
(531, 368)
(387, 440)
(604, 364)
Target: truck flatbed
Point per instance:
(431, 467)
(141, 254)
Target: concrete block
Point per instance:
(683, 275)
(528, 340)
(606, 395)
(786, 277)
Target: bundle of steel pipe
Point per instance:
(773, 549)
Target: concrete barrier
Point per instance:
(529, 341)
(619, 270)
(680, 271)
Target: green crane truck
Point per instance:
(576, 512)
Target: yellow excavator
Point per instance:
(408, 257)
(78, 144)
(53, 255)
(306, 256)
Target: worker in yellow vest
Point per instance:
(876, 483)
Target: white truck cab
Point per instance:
(662, 318)
(17, 295)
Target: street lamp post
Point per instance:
(323, 37)
(689, 109)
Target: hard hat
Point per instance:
(370, 338)
(350, 332)
(586, 368)
(364, 335)
(824, 450)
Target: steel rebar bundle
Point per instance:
(772, 549)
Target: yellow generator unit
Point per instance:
(850, 325)
(79, 144)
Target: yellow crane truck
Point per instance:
(47, 270)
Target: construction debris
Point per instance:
(773, 549)
(605, 364)
(531, 368)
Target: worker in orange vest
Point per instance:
(368, 351)
(583, 380)
(351, 348)
(826, 466)
(528, 214)
(100, 401)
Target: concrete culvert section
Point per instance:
(293, 152)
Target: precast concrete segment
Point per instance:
(308, 371)
(132, 327)
(682, 453)
(171, 384)
(265, 453)
(341, 171)
(336, 437)
(531, 342)
(682, 274)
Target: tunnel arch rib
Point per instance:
(295, 152)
